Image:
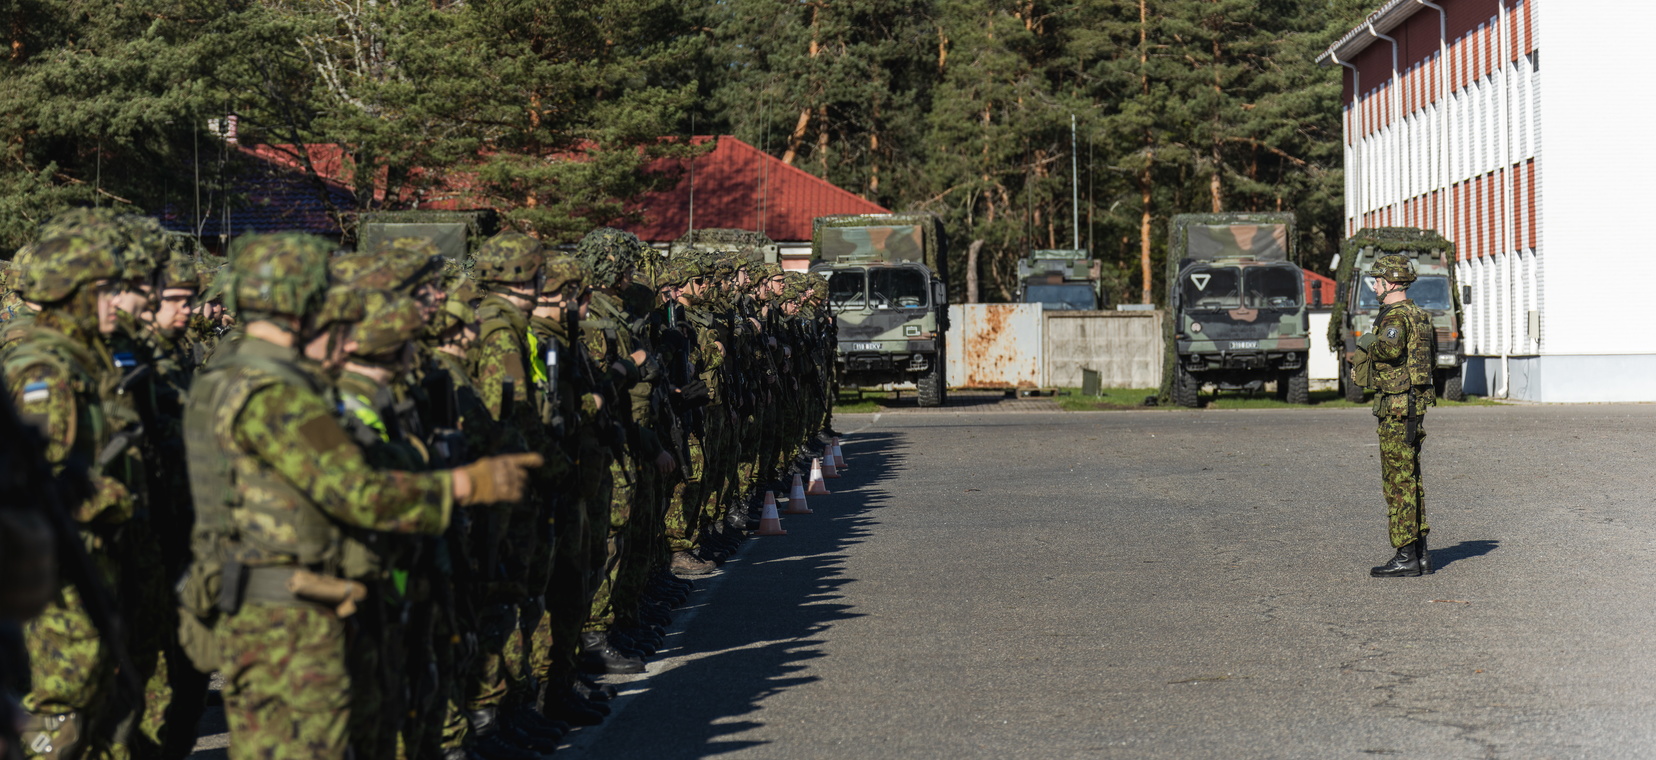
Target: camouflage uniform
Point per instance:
(1401, 351)
(277, 481)
(502, 371)
(609, 339)
(57, 370)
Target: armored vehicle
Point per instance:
(1237, 316)
(1062, 279)
(454, 232)
(1435, 290)
(886, 284)
(754, 245)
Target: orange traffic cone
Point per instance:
(828, 470)
(797, 493)
(839, 455)
(796, 501)
(770, 523)
(818, 488)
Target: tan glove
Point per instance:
(494, 480)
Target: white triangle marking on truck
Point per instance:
(1201, 280)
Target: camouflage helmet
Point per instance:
(417, 256)
(611, 254)
(284, 273)
(138, 243)
(651, 266)
(389, 268)
(389, 320)
(458, 309)
(180, 272)
(1393, 267)
(681, 270)
(338, 304)
(509, 257)
(59, 265)
(562, 270)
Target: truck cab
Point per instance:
(890, 301)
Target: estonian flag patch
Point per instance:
(36, 392)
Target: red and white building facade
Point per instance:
(1445, 115)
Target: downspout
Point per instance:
(1356, 142)
(1442, 113)
(1397, 129)
(1506, 202)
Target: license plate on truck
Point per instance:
(1236, 344)
(865, 346)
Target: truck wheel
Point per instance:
(1298, 383)
(1353, 391)
(1452, 389)
(1186, 388)
(933, 388)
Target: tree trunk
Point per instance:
(972, 270)
(798, 136)
(1144, 236)
(822, 141)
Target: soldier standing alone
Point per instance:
(1399, 357)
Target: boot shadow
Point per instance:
(1443, 557)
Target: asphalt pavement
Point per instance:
(1178, 584)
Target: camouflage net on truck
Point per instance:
(1386, 240)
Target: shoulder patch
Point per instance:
(1391, 333)
(36, 392)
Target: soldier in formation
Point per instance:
(407, 507)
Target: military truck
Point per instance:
(1237, 317)
(886, 285)
(456, 233)
(1435, 290)
(1061, 279)
(754, 245)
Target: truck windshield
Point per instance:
(897, 288)
(1071, 297)
(1211, 288)
(1273, 287)
(1429, 292)
(845, 289)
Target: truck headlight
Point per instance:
(1446, 360)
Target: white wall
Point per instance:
(1600, 164)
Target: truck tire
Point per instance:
(933, 386)
(1452, 390)
(1186, 388)
(1353, 391)
(1298, 383)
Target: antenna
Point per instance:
(1075, 190)
(764, 159)
(692, 175)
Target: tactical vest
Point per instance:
(1414, 367)
(245, 512)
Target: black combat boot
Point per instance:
(571, 708)
(597, 656)
(1425, 557)
(1405, 565)
(486, 741)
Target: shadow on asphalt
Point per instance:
(1442, 558)
(764, 624)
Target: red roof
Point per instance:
(737, 186)
(741, 187)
